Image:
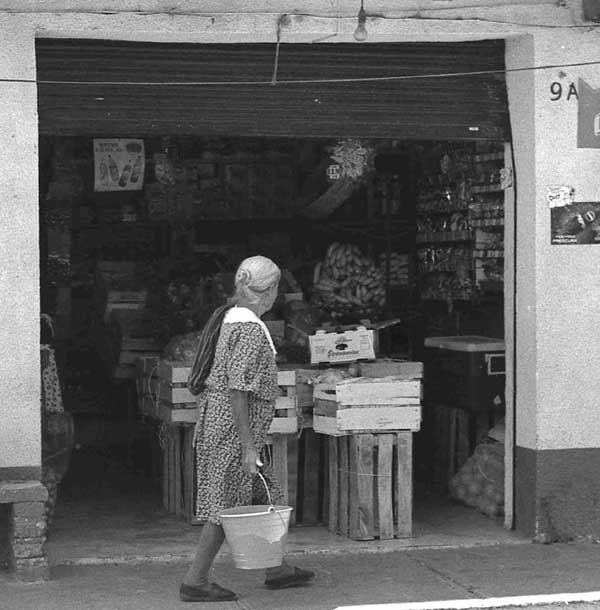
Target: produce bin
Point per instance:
(465, 371)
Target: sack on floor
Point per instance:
(480, 481)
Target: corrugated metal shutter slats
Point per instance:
(430, 108)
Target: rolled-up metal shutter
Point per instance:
(105, 88)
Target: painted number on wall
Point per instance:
(559, 91)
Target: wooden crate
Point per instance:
(367, 405)
(172, 402)
(370, 486)
(387, 367)
(300, 465)
(286, 418)
(178, 471)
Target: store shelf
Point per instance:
(449, 211)
(487, 223)
(429, 237)
(486, 188)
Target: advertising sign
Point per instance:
(118, 164)
(588, 119)
(576, 223)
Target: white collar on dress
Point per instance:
(243, 314)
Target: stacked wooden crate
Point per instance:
(370, 421)
(367, 404)
(163, 395)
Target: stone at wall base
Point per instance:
(31, 570)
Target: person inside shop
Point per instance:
(234, 378)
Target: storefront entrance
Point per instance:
(230, 170)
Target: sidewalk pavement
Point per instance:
(348, 581)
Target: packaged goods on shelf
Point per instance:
(398, 267)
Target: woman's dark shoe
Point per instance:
(297, 578)
(206, 593)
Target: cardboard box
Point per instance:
(346, 346)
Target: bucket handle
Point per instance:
(262, 478)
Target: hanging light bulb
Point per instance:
(360, 33)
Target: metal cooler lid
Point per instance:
(466, 343)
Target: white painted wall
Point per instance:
(567, 278)
(19, 251)
(521, 99)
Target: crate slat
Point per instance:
(173, 372)
(391, 368)
(343, 487)
(385, 509)
(370, 486)
(377, 391)
(404, 474)
(361, 487)
(363, 420)
(284, 425)
(379, 418)
(285, 403)
(334, 489)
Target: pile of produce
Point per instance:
(182, 348)
(330, 377)
(480, 481)
(347, 282)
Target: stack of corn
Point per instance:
(347, 282)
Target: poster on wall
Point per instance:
(588, 117)
(118, 164)
(575, 223)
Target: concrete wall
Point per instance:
(19, 253)
(557, 340)
(568, 336)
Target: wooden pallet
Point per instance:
(370, 486)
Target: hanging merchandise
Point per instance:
(119, 164)
(164, 163)
(352, 159)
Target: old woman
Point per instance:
(235, 373)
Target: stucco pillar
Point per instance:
(557, 456)
(20, 457)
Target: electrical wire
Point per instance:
(419, 16)
(306, 81)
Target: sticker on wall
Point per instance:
(576, 223)
(559, 196)
(588, 118)
(119, 164)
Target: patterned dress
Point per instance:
(244, 360)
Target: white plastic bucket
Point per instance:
(256, 534)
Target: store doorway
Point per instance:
(229, 196)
